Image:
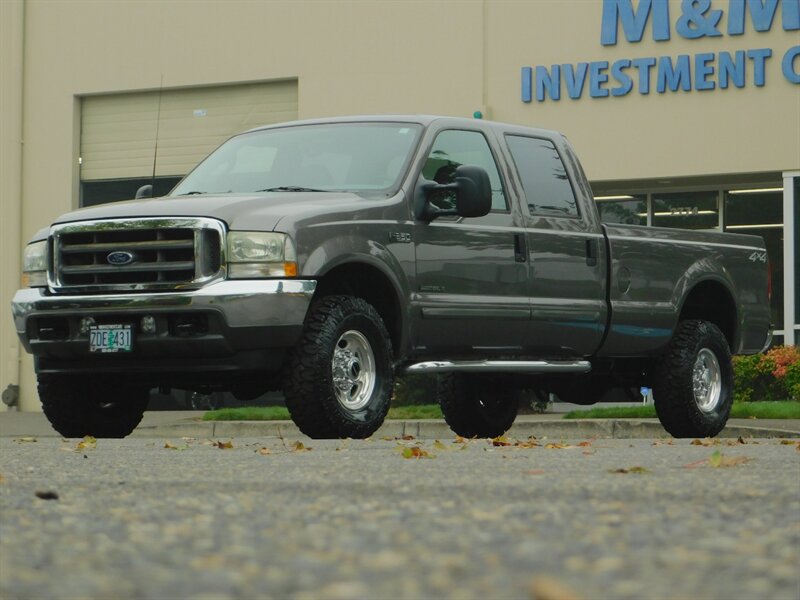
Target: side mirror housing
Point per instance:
(146, 191)
(473, 195)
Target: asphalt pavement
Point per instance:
(270, 517)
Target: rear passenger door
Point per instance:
(565, 247)
(472, 286)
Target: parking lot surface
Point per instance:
(390, 518)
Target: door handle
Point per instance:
(520, 248)
(591, 252)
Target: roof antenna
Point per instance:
(146, 191)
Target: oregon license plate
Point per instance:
(110, 338)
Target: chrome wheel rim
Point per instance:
(353, 369)
(707, 381)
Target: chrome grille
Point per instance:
(136, 254)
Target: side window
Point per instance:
(453, 148)
(544, 178)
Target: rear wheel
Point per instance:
(477, 405)
(693, 389)
(92, 406)
(340, 376)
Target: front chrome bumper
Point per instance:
(240, 304)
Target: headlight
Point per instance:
(256, 254)
(34, 265)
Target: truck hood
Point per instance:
(258, 212)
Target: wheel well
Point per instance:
(710, 301)
(370, 284)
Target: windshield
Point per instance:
(364, 158)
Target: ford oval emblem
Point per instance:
(120, 258)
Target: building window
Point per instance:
(113, 190)
(760, 212)
(686, 210)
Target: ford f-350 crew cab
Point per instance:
(322, 257)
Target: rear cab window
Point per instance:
(545, 182)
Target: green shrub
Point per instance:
(771, 376)
(412, 390)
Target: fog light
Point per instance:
(86, 323)
(148, 324)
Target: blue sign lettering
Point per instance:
(702, 71)
(731, 69)
(759, 57)
(762, 13)
(698, 20)
(644, 65)
(788, 65)
(669, 76)
(618, 73)
(575, 78)
(633, 21)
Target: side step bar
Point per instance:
(530, 367)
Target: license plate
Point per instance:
(110, 338)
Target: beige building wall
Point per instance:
(352, 57)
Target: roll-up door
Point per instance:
(118, 131)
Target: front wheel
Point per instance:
(77, 407)
(693, 389)
(477, 405)
(340, 376)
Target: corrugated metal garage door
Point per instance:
(118, 131)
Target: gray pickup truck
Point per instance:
(323, 257)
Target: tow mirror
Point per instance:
(146, 191)
(473, 192)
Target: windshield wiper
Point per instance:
(192, 193)
(291, 188)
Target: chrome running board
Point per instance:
(530, 367)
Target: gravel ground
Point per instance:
(355, 519)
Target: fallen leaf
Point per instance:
(266, 451)
(415, 452)
(46, 495)
(585, 444)
(460, 440)
(501, 440)
(705, 442)
(300, 447)
(170, 446)
(546, 588)
(407, 437)
(25, 440)
(439, 445)
(529, 443)
(554, 446)
(633, 470)
(87, 443)
(718, 459)
(223, 445)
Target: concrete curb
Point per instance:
(438, 429)
(175, 425)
